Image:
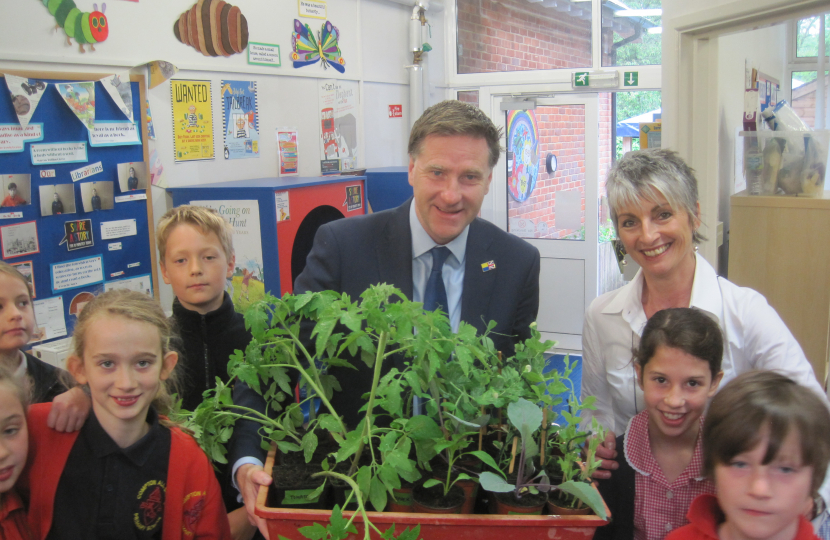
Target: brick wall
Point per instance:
(516, 35)
(562, 133)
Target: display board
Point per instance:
(78, 220)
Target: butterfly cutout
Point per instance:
(307, 50)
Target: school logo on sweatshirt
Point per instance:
(150, 505)
(194, 504)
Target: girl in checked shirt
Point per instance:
(678, 368)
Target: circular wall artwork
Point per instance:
(522, 142)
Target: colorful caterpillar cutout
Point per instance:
(213, 27)
(86, 28)
(307, 50)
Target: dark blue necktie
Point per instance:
(435, 295)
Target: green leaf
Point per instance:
(364, 479)
(377, 494)
(431, 482)
(423, 427)
(389, 476)
(349, 446)
(494, 483)
(328, 422)
(413, 534)
(585, 493)
(526, 416)
(314, 532)
(487, 459)
(309, 445)
(400, 461)
(387, 444)
(323, 330)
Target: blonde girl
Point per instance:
(14, 444)
(128, 472)
(17, 325)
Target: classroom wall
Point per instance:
(373, 40)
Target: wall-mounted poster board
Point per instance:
(75, 216)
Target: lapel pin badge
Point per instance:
(486, 267)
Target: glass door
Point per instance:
(545, 191)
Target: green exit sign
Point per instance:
(581, 78)
(631, 78)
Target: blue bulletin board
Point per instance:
(70, 260)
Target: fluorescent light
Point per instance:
(656, 30)
(518, 105)
(639, 13)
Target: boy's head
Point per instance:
(766, 445)
(12, 189)
(196, 255)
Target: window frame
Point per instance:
(649, 76)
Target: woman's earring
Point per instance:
(696, 249)
(624, 262)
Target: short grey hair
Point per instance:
(452, 117)
(644, 174)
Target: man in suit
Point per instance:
(487, 274)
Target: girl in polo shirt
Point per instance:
(14, 444)
(678, 365)
(128, 473)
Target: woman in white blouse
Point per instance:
(654, 206)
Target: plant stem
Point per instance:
(367, 430)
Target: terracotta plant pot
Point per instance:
(508, 504)
(432, 501)
(556, 510)
(402, 501)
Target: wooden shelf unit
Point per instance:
(780, 246)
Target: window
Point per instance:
(803, 68)
(519, 35)
(631, 32)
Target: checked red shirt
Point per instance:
(660, 507)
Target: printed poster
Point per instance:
(25, 94)
(80, 98)
(240, 119)
(287, 148)
(247, 284)
(192, 120)
(119, 89)
(338, 125)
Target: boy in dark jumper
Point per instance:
(196, 257)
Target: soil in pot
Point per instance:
(470, 487)
(295, 485)
(559, 506)
(529, 503)
(433, 501)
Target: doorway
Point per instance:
(545, 190)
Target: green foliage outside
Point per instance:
(647, 50)
(807, 38)
(630, 104)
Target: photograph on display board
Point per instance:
(57, 199)
(19, 239)
(26, 270)
(97, 196)
(132, 176)
(18, 190)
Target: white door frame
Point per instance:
(494, 208)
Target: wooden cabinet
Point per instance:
(780, 246)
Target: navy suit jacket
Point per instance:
(351, 254)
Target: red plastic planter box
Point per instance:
(285, 522)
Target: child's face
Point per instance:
(12, 191)
(196, 266)
(764, 501)
(676, 387)
(17, 317)
(14, 438)
(123, 365)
